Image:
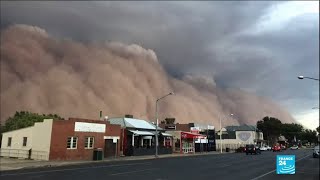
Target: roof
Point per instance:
(143, 133)
(166, 134)
(133, 123)
(241, 128)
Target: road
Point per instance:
(216, 166)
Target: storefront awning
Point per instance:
(166, 134)
(187, 135)
(142, 133)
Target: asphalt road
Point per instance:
(216, 166)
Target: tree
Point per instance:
(271, 128)
(24, 119)
(291, 130)
(318, 129)
(309, 135)
(170, 120)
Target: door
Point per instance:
(110, 148)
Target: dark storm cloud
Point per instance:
(203, 38)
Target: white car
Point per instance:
(294, 147)
(265, 148)
(316, 152)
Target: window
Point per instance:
(25, 139)
(88, 144)
(72, 142)
(9, 141)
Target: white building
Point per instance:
(237, 136)
(17, 143)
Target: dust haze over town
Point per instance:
(51, 69)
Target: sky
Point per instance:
(256, 46)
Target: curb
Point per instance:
(127, 158)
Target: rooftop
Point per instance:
(241, 128)
(133, 123)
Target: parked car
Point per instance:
(283, 147)
(316, 152)
(240, 149)
(294, 147)
(252, 149)
(265, 148)
(276, 148)
(269, 148)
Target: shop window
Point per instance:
(25, 139)
(88, 144)
(9, 141)
(72, 142)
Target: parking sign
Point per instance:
(286, 164)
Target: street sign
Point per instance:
(286, 164)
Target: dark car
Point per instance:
(240, 149)
(252, 149)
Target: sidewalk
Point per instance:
(7, 164)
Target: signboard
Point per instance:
(286, 164)
(210, 127)
(244, 136)
(195, 130)
(170, 127)
(89, 127)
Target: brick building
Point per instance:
(72, 139)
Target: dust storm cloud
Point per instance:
(43, 74)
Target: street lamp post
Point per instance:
(304, 77)
(221, 133)
(156, 155)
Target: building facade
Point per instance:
(72, 139)
(191, 137)
(239, 136)
(138, 137)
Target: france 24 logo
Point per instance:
(286, 164)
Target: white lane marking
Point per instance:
(275, 170)
(129, 172)
(72, 169)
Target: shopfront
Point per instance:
(187, 141)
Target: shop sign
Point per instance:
(170, 127)
(89, 127)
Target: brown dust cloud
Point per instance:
(44, 74)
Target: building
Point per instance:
(72, 139)
(237, 136)
(138, 137)
(191, 137)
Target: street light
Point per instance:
(304, 77)
(221, 133)
(156, 155)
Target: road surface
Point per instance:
(216, 166)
